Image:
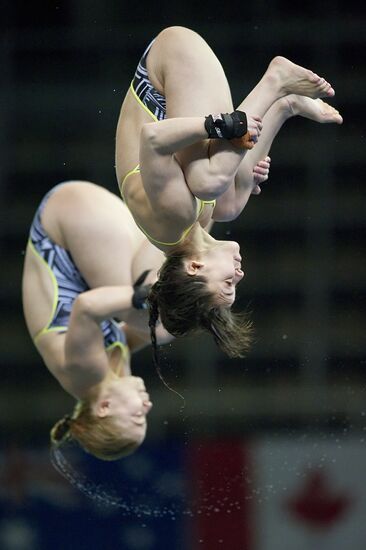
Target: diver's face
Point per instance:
(221, 266)
(129, 403)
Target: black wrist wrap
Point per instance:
(141, 291)
(226, 126)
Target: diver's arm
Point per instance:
(171, 135)
(105, 302)
(86, 361)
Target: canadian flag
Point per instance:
(313, 494)
(280, 494)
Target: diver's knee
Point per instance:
(212, 186)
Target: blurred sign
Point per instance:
(265, 494)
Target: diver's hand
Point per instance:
(260, 174)
(141, 291)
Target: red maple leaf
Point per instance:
(317, 504)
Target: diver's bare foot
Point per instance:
(314, 109)
(293, 79)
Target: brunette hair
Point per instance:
(98, 436)
(185, 306)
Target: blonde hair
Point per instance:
(100, 437)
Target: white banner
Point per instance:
(311, 494)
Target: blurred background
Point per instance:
(269, 451)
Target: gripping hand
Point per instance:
(141, 291)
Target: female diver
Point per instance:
(176, 181)
(83, 237)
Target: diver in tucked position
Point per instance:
(180, 167)
(83, 262)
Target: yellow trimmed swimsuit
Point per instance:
(155, 105)
(68, 283)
